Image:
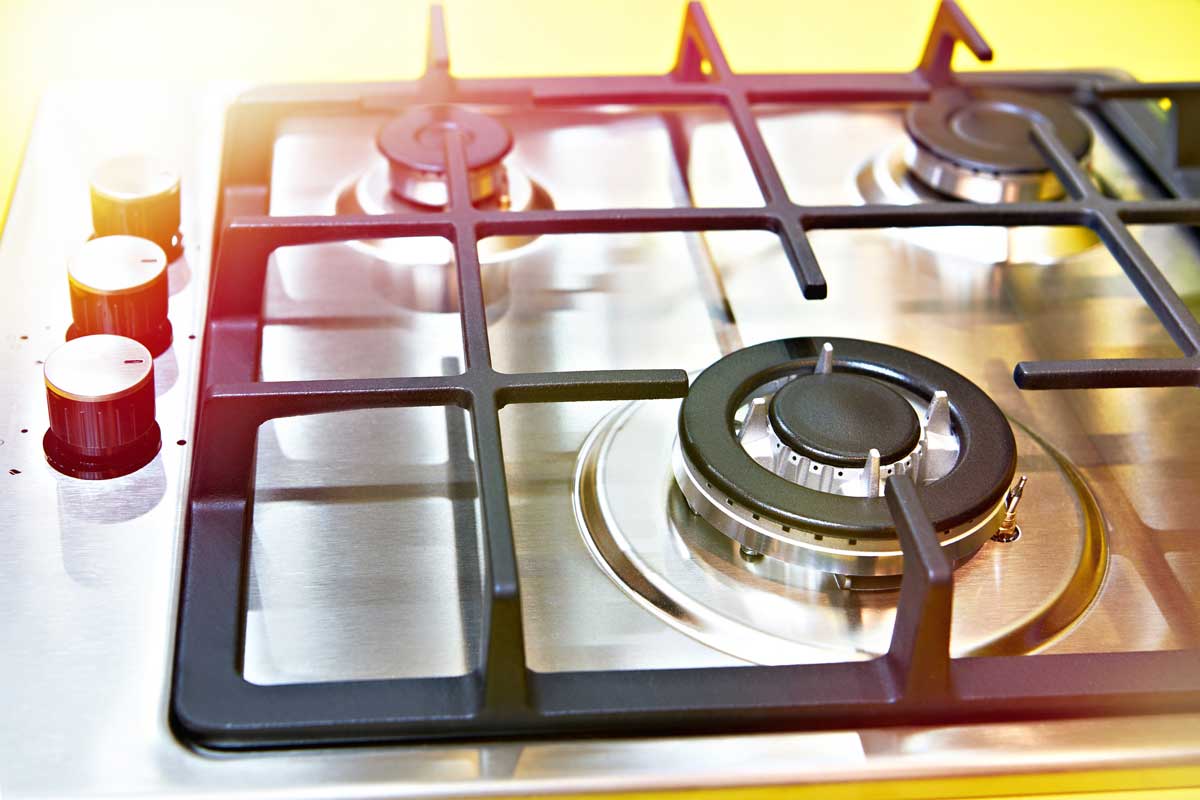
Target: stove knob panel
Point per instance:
(138, 196)
(118, 285)
(100, 398)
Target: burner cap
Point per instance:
(988, 131)
(837, 418)
(414, 145)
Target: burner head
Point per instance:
(414, 145)
(836, 419)
(976, 144)
(786, 449)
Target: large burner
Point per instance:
(641, 523)
(785, 447)
(977, 144)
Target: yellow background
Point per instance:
(339, 40)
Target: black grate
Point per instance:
(916, 681)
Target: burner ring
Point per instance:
(971, 489)
(976, 144)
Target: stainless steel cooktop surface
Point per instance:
(364, 557)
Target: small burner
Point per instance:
(410, 179)
(787, 450)
(414, 145)
(976, 144)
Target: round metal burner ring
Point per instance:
(977, 144)
(842, 556)
(980, 186)
(414, 144)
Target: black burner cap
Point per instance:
(416, 138)
(988, 130)
(837, 418)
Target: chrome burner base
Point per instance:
(843, 557)
(1009, 598)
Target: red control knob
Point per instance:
(138, 196)
(100, 396)
(119, 286)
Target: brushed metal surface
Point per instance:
(89, 570)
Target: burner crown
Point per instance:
(977, 144)
(414, 144)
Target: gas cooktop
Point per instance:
(603, 433)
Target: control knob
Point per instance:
(119, 285)
(138, 196)
(100, 397)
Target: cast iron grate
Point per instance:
(916, 681)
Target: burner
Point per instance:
(421, 274)
(1010, 597)
(786, 449)
(414, 145)
(976, 144)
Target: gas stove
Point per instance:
(539, 435)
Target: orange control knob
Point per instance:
(138, 196)
(119, 286)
